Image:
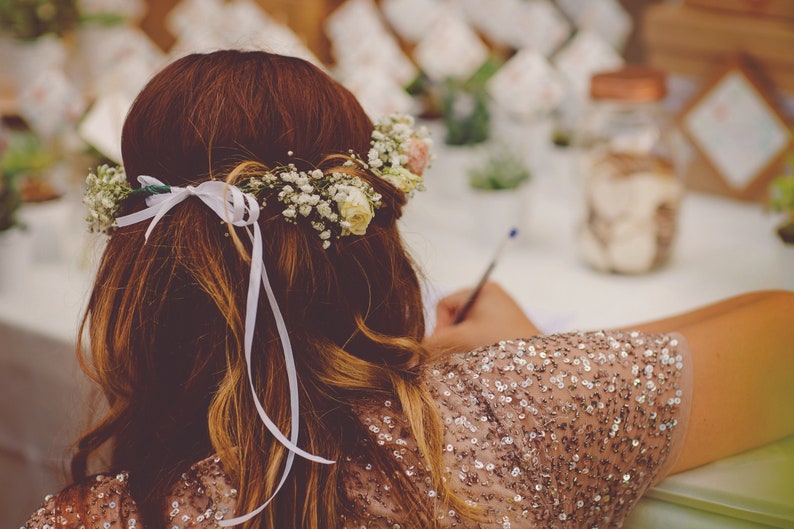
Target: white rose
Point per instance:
(356, 210)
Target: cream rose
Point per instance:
(400, 177)
(356, 210)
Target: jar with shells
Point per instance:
(632, 191)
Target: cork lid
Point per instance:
(633, 83)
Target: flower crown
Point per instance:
(336, 203)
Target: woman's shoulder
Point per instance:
(580, 378)
(570, 360)
(602, 347)
(202, 496)
(561, 419)
(100, 501)
(611, 367)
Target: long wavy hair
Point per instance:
(165, 319)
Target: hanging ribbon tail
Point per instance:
(254, 277)
(259, 273)
(241, 210)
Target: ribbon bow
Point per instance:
(242, 210)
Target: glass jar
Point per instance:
(632, 191)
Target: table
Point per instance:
(753, 489)
(724, 248)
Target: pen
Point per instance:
(476, 292)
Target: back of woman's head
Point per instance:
(205, 111)
(204, 115)
(165, 319)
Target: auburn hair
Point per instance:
(164, 321)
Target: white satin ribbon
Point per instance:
(242, 210)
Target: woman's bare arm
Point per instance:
(743, 354)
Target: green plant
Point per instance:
(783, 193)
(502, 169)
(30, 19)
(25, 156)
(782, 200)
(10, 202)
(25, 165)
(464, 107)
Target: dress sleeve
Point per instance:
(567, 430)
(200, 499)
(45, 516)
(101, 503)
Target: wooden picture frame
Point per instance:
(736, 127)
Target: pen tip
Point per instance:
(513, 232)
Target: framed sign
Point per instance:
(735, 125)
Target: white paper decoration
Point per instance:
(452, 49)
(527, 85)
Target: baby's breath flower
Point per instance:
(335, 204)
(105, 190)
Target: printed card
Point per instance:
(541, 26)
(101, 127)
(50, 103)
(527, 86)
(495, 19)
(30, 58)
(353, 19)
(248, 20)
(361, 42)
(453, 49)
(380, 96)
(412, 19)
(194, 17)
(241, 24)
(519, 23)
(573, 9)
(116, 58)
(583, 56)
(379, 58)
(734, 124)
(607, 18)
(258, 30)
(277, 38)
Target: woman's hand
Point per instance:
(494, 316)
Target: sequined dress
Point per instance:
(564, 430)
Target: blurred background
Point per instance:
(69, 69)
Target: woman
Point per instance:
(324, 396)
